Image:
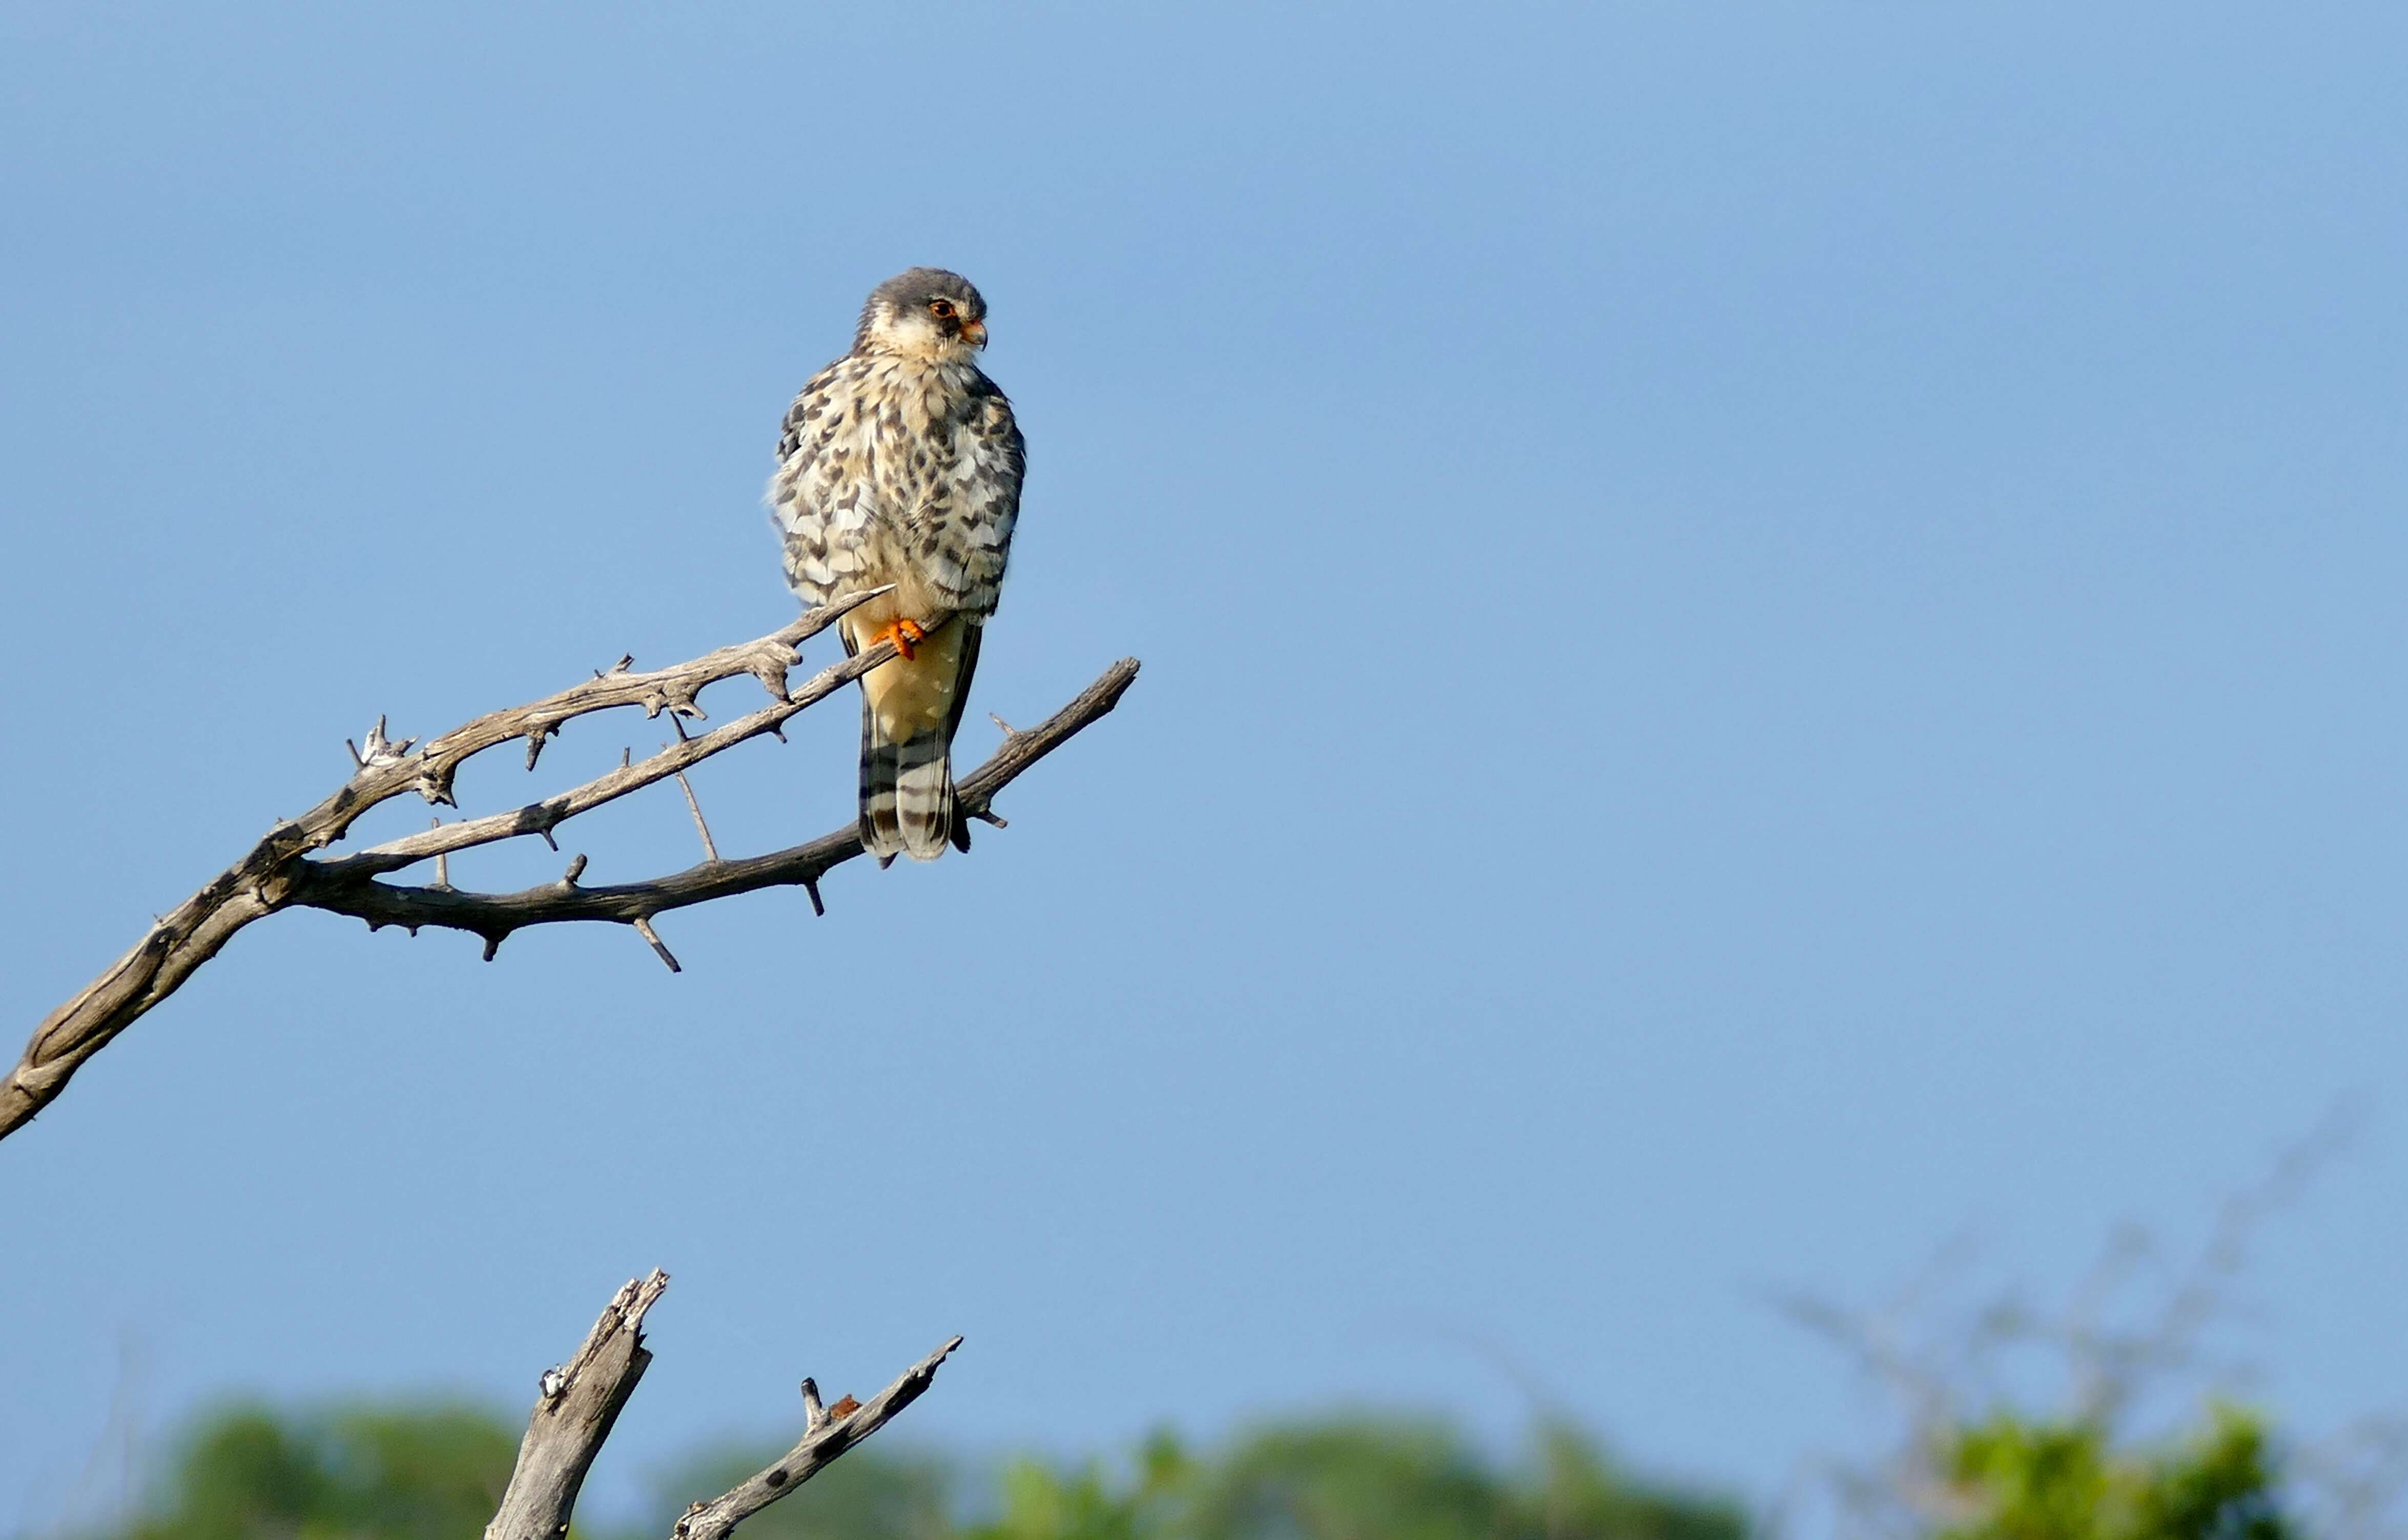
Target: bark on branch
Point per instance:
(577, 1404)
(283, 871)
(341, 888)
(826, 1435)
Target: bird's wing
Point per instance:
(820, 498)
(967, 543)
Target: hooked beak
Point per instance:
(974, 333)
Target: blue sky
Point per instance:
(1771, 637)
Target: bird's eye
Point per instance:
(942, 308)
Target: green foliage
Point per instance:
(1335, 1479)
(437, 1475)
(2032, 1480)
(872, 1493)
(361, 1474)
(1418, 1481)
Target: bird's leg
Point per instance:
(906, 636)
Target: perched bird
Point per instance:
(900, 464)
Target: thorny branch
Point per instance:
(577, 1404)
(343, 888)
(283, 870)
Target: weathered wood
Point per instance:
(342, 888)
(278, 872)
(576, 1406)
(825, 1437)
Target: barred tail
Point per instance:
(909, 709)
(907, 791)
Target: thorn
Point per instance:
(779, 733)
(576, 869)
(535, 743)
(443, 870)
(812, 886)
(988, 815)
(494, 944)
(548, 840)
(357, 763)
(1009, 731)
(626, 661)
(644, 929)
(626, 755)
(709, 850)
(814, 1415)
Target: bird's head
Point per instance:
(924, 313)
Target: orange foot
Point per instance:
(906, 636)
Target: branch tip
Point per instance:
(644, 928)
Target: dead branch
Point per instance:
(279, 871)
(828, 1432)
(341, 888)
(577, 1404)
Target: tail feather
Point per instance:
(908, 712)
(907, 793)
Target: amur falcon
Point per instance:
(900, 464)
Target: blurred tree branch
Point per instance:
(278, 872)
(578, 1403)
(2018, 1403)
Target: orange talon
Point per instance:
(906, 636)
